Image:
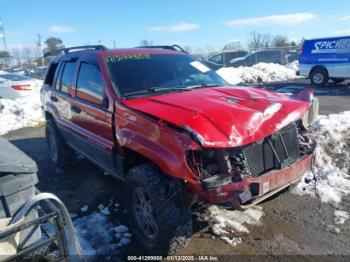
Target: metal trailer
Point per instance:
(25, 214)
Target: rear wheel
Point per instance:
(60, 154)
(319, 77)
(159, 225)
(338, 80)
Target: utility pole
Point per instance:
(113, 43)
(2, 34)
(40, 49)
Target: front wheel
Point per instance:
(319, 77)
(159, 225)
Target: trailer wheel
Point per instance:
(319, 76)
(60, 154)
(158, 224)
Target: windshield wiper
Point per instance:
(154, 90)
(202, 85)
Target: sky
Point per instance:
(195, 23)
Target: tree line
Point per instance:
(28, 55)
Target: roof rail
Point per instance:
(66, 50)
(169, 47)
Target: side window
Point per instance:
(50, 74)
(67, 76)
(59, 76)
(217, 59)
(90, 83)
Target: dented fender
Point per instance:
(155, 140)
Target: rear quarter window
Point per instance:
(51, 74)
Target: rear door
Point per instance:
(95, 138)
(62, 97)
(341, 58)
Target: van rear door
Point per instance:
(341, 66)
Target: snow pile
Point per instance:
(261, 72)
(293, 65)
(228, 223)
(19, 113)
(332, 134)
(98, 236)
(340, 216)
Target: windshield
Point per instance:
(158, 72)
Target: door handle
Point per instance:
(76, 109)
(54, 99)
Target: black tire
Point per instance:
(60, 154)
(174, 225)
(319, 77)
(338, 80)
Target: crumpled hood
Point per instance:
(224, 116)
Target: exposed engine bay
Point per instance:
(217, 167)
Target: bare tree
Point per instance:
(36, 52)
(27, 54)
(17, 55)
(292, 43)
(209, 50)
(280, 41)
(258, 40)
(146, 42)
(233, 45)
(187, 48)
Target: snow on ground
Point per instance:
(332, 134)
(261, 72)
(227, 224)
(341, 216)
(98, 236)
(20, 112)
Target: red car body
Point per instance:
(164, 128)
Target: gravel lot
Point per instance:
(292, 225)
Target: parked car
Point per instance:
(174, 132)
(264, 56)
(323, 59)
(224, 58)
(212, 65)
(14, 86)
(37, 72)
(292, 56)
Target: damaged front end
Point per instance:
(245, 175)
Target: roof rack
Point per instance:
(66, 50)
(169, 47)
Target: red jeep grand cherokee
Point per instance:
(175, 132)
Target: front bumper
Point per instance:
(252, 190)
